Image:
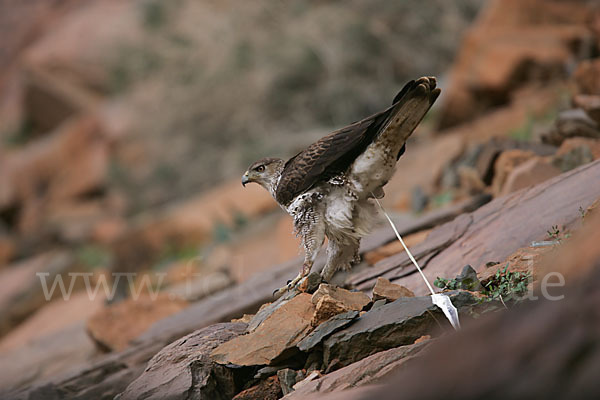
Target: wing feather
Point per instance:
(334, 153)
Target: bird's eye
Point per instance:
(260, 168)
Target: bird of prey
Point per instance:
(327, 188)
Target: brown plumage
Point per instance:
(333, 154)
(327, 187)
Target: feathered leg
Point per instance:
(340, 255)
(313, 236)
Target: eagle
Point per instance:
(328, 187)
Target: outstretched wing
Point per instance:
(326, 158)
(334, 153)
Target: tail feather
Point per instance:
(410, 106)
(410, 86)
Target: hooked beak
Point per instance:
(245, 179)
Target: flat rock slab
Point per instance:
(395, 324)
(102, 378)
(508, 223)
(409, 224)
(280, 332)
(115, 325)
(400, 264)
(493, 232)
(44, 357)
(367, 371)
(328, 327)
(266, 310)
(184, 370)
(22, 289)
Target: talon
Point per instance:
(288, 282)
(284, 289)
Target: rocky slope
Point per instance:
(118, 141)
(508, 189)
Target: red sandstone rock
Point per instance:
(326, 308)
(51, 318)
(351, 300)
(529, 173)
(590, 104)
(281, 331)
(384, 289)
(573, 143)
(513, 42)
(268, 389)
(587, 77)
(69, 162)
(506, 162)
(116, 325)
(7, 249)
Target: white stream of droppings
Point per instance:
(439, 299)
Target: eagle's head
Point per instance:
(265, 172)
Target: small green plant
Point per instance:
(175, 253)
(442, 199)
(154, 14)
(240, 220)
(507, 285)
(582, 212)
(93, 256)
(221, 232)
(503, 286)
(554, 232)
(22, 134)
(524, 132)
(446, 284)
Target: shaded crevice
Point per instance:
(9, 217)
